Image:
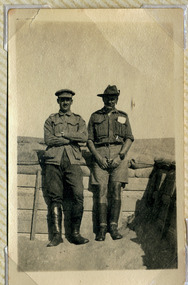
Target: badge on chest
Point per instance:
(121, 120)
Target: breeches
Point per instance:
(65, 181)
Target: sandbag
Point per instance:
(165, 163)
(140, 164)
(143, 172)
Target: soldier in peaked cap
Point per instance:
(109, 140)
(63, 132)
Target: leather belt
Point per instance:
(106, 144)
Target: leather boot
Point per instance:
(100, 236)
(115, 211)
(114, 217)
(114, 232)
(76, 237)
(57, 223)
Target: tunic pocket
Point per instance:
(73, 126)
(101, 128)
(58, 128)
(76, 152)
(50, 153)
(120, 129)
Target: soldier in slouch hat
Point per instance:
(109, 139)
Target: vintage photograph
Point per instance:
(96, 145)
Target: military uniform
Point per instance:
(108, 132)
(63, 173)
(74, 127)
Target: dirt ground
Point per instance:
(136, 250)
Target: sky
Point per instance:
(139, 51)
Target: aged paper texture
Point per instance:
(141, 52)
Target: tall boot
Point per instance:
(100, 236)
(56, 213)
(76, 237)
(76, 218)
(114, 217)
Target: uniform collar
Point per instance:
(69, 113)
(103, 111)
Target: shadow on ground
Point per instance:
(158, 252)
(155, 221)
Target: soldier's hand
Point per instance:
(116, 162)
(102, 162)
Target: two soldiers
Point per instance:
(109, 139)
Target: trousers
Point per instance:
(65, 181)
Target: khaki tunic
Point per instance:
(74, 128)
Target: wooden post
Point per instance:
(35, 205)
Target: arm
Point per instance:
(128, 140)
(100, 160)
(81, 135)
(49, 138)
(125, 147)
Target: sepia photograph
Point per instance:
(95, 155)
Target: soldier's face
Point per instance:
(110, 101)
(65, 104)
